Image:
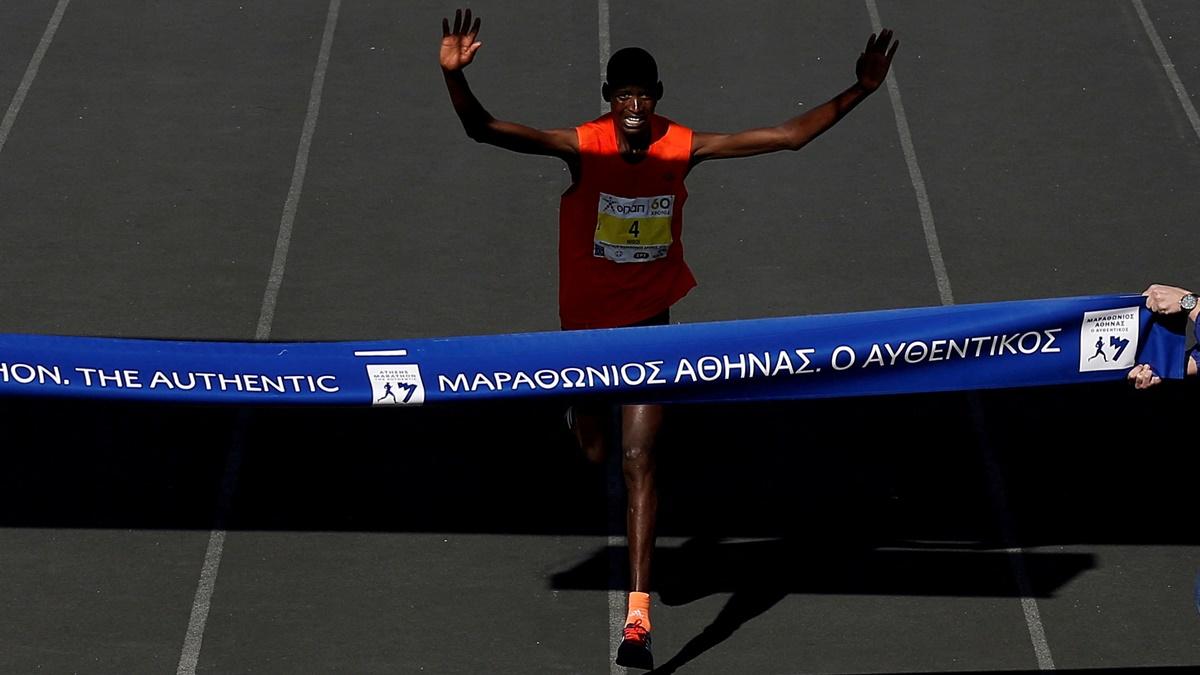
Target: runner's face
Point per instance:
(632, 106)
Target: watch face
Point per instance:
(1188, 302)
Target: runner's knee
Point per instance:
(637, 456)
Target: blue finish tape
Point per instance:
(1005, 344)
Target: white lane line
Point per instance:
(31, 71)
(618, 559)
(914, 172)
(1016, 556)
(616, 505)
(1008, 535)
(190, 654)
(605, 45)
(267, 315)
(1180, 91)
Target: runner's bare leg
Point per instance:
(639, 431)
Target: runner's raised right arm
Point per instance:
(458, 51)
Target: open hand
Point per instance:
(876, 59)
(459, 45)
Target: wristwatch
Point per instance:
(1188, 302)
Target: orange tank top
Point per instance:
(620, 253)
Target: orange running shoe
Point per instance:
(634, 651)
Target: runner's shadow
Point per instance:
(742, 607)
(757, 574)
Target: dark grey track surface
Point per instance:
(141, 192)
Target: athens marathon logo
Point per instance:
(1108, 339)
(394, 383)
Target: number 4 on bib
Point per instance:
(633, 229)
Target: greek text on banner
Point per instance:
(1007, 344)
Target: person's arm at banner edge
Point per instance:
(1166, 300)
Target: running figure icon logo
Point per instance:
(1108, 339)
(407, 389)
(1117, 343)
(396, 384)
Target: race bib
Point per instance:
(633, 230)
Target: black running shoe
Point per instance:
(634, 651)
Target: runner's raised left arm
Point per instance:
(871, 70)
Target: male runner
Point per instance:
(620, 255)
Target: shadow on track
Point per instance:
(880, 495)
(1096, 464)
